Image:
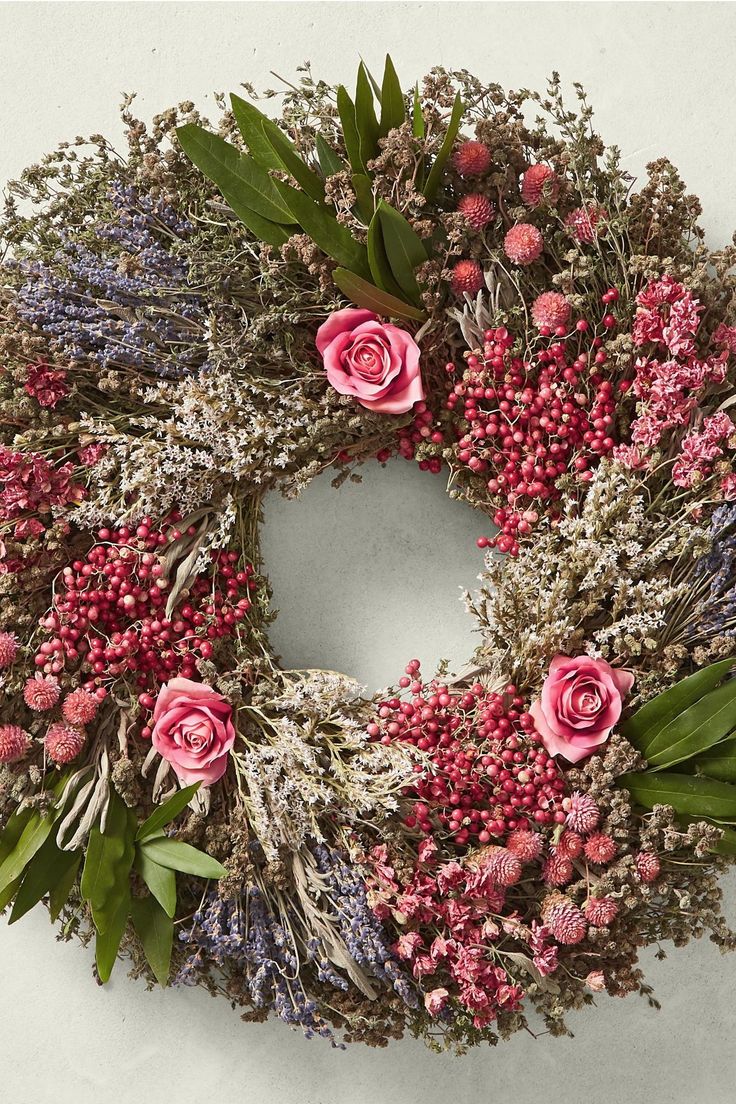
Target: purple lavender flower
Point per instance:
(717, 611)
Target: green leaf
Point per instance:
(686, 794)
(160, 880)
(378, 259)
(718, 762)
(325, 231)
(697, 729)
(365, 116)
(366, 295)
(250, 124)
(365, 200)
(182, 856)
(106, 874)
(374, 83)
(417, 118)
(256, 126)
(246, 186)
(108, 942)
(31, 839)
(642, 729)
(435, 176)
(346, 111)
(47, 868)
(165, 813)
(329, 161)
(59, 894)
(404, 249)
(156, 932)
(393, 111)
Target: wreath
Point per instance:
(222, 313)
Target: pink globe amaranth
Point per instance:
(193, 730)
(375, 362)
(580, 703)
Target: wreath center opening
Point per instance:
(369, 575)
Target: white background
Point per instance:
(368, 576)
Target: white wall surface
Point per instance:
(368, 576)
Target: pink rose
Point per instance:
(376, 362)
(581, 702)
(192, 730)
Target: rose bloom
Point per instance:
(581, 701)
(192, 730)
(374, 361)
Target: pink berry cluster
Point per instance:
(422, 429)
(487, 774)
(522, 423)
(108, 619)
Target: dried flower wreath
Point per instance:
(431, 276)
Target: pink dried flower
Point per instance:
(467, 276)
(558, 870)
(502, 866)
(477, 209)
(435, 1001)
(472, 159)
(539, 184)
(584, 222)
(648, 866)
(41, 693)
(523, 243)
(14, 743)
(563, 918)
(596, 981)
(550, 310)
(8, 648)
(79, 707)
(582, 812)
(600, 848)
(63, 743)
(524, 844)
(89, 455)
(570, 844)
(600, 911)
(47, 385)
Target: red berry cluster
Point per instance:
(108, 617)
(523, 423)
(421, 429)
(488, 774)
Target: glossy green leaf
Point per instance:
(251, 125)
(393, 111)
(367, 295)
(685, 793)
(320, 224)
(31, 839)
(346, 111)
(718, 762)
(106, 874)
(182, 856)
(417, 118)
(246, 186)
(255, 125)
(329, 161)
(107, 943)
(167, 812)
(234, 173)
(697, 729)
(365, 117)
(155, 930)
(160, 880)
(642, 729)
(47, 868)
(378, 259)
(364, 199)
(404, 249)
(59, 894)
(438, 168)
